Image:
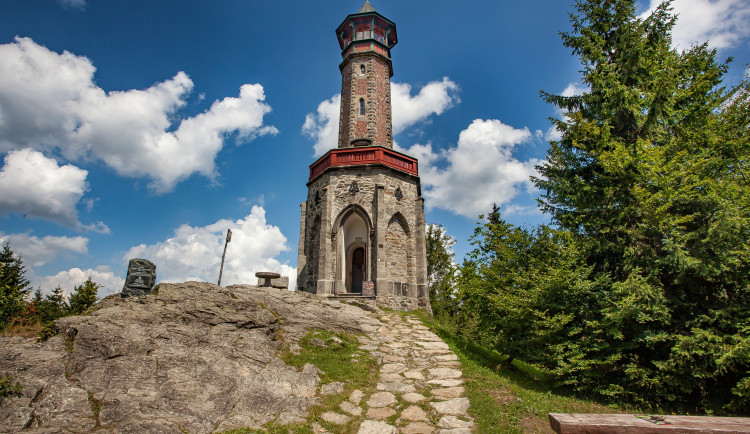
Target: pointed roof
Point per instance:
(367, 7)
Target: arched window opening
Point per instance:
(361, 107)
(361, 69)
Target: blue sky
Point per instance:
(147, 128)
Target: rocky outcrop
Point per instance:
(193, 358)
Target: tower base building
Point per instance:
(362, 225)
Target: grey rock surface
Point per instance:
(454, 422)
(453, 407)
(381, 399)
(193, 358)
(332, 388)
(376, 427)
(335, 418)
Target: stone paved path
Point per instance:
(420, 389)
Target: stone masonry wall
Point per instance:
(391, 201)
(398, 252)
(310, 236)
(374, 87)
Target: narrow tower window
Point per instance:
(361, 106)
(363, 32)
(380, 35)
(362, 69)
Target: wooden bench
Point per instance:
(572, 423)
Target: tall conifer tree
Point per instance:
(440, 269)
(14, 287)
(650, 177)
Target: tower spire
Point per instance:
(367, 7)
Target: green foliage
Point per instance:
(8, 389)
(83, 297)
(649, 180)
(440, 270)
(42, 310)
(47, 331)
(641, 293)
(51, 306)
(13, 285)
(520, 288)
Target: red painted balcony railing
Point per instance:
(360, 156)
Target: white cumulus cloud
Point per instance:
(323, 126)
(479, 171)
(50, 100)
(723, 23)
(434, 98)
(194, 253)
(109, 283)
(37, 186)
(407, 110)
(37, 251)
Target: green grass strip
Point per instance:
(504, 398)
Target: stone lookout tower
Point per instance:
(362, 230)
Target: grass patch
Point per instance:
(275, 429)
(46, 332)
(21, 327)
(513, 398)
(333, 354)
(8, 389)
(95, 404)
(339, 358)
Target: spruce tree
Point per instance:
(650, 177)
(440, 270)
(13, 285)
(83, 297)
(55, 305)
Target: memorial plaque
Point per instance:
(368, 288)
(141, 278)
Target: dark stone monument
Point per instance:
(141, 278)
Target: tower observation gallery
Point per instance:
(362, 225)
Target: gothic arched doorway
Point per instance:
(352, 249)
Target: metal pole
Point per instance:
(221, 270)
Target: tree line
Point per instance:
(639, 289)
(18, 307)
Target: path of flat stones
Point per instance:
(420, 385)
